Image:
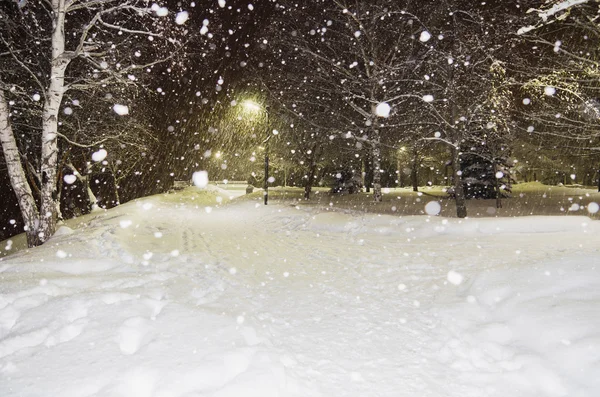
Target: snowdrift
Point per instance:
(181, 295)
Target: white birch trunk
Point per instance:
(54, 95)
(18, 180)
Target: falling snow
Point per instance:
(121, 110)
(433, 208)
(200, 179)
(549, 91)
(99, 155)
(162, 11)
(307, 199)
(383, 109)
(425, 36)
(70, 179)
(182, 17)
(454, 277)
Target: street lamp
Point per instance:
(254, 107)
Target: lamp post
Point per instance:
(255, 107)
(267, 137)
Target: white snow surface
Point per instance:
(248, 300)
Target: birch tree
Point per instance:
(47, 49)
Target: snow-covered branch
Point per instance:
(123, 29)
(563, 5)
(552, 11)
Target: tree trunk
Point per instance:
(92, 201)
(414, 172)
(59, 186)
(598, 179)
(266, 181)
(376, 166)
(497, 187)
(367, 166)
(117, 197)
(54, 95)
(585, 179)
(311, 173)
(16, 173)
(399, 171)
(459, 192)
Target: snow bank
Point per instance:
(432, 226)
(533, 331)
(162, 298)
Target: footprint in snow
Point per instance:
(155, 306)
(131, 334)
(66, 333)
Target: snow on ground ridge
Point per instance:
(279, 301)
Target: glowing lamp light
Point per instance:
(251, 106)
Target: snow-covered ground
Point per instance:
(164, 297)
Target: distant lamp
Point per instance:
(252, 106)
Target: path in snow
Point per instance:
(159, 298)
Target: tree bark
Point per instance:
(414, 172)
(54, 95)
(117, 197)
(459, 191)
(366, 172)
(311, 173)
(497, 188)
(376, 147)
(399, 171)
(18, 180)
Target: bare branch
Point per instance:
(35, 78)
(122, 29)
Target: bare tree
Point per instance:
(47, 49)
(469, 86)
(356, 60)
(559, 85)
